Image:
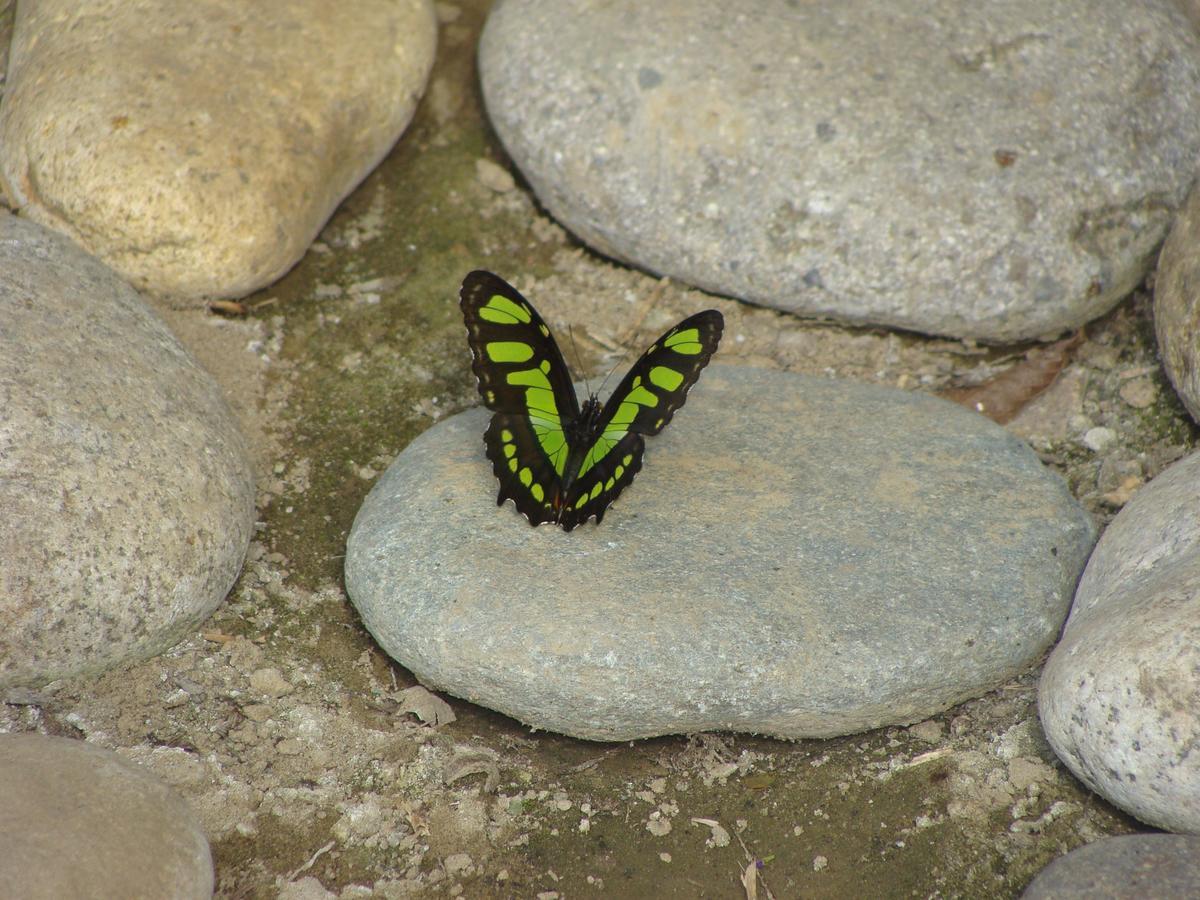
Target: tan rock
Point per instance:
(79, 821)
(198, 148)
(1177, 305)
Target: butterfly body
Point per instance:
(557, 461)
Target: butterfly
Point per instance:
(559, 462)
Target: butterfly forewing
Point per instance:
(512, 348)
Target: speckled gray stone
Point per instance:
(198, 148)
(799, 557)
(79, 821)
(1177, 304)
(990, 171)
(126, 492)
(1120, 694)
(1128, 867)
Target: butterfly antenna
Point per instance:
(647, 304)
(578, 360)
(619, 362)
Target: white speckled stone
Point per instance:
(1120, 693)
(197, 148)
(991, 171)
(799, 557)
(126, 491)
(79, 821)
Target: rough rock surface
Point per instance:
(1119, 694)
(836, 559)
(198, 148)
(127, 495)
(991, 172)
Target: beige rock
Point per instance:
(1177, 305)
(198, 148)
(79, 821)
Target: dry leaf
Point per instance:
(750, 880)
(428, 707)
(1002, 397)
(473, 762)
(231, 308)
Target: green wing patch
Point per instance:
(556, 461)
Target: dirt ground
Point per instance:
(299, 743)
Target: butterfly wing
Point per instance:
(524, 380)
(642, 404)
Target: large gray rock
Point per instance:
(197, 148)
(126, 494)
(1120, 693)
(1128, 867)
(79, 821)
(799, 557)
(991, 171)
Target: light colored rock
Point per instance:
(494, 177)
(79, 821)
(1099, 439)
(198, 148)
(995, 172)
(1177, 305)
(1119, 694)
(306, 888)
(127, 496)
(832, 559)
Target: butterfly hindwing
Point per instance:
(592, 492)
(557, 462)
(524, 472)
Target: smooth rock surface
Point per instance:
(1177, 304)
(79, 821)
(1129, 867)
(994, 172)
(799, 557)
(198, 148)
(127, 495)
(1120, 693)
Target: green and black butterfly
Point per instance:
(560, 463)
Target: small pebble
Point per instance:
(1099, 438)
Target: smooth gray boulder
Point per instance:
(1126, 867)
(799, 557)
(1177, 305)
(998, 172)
